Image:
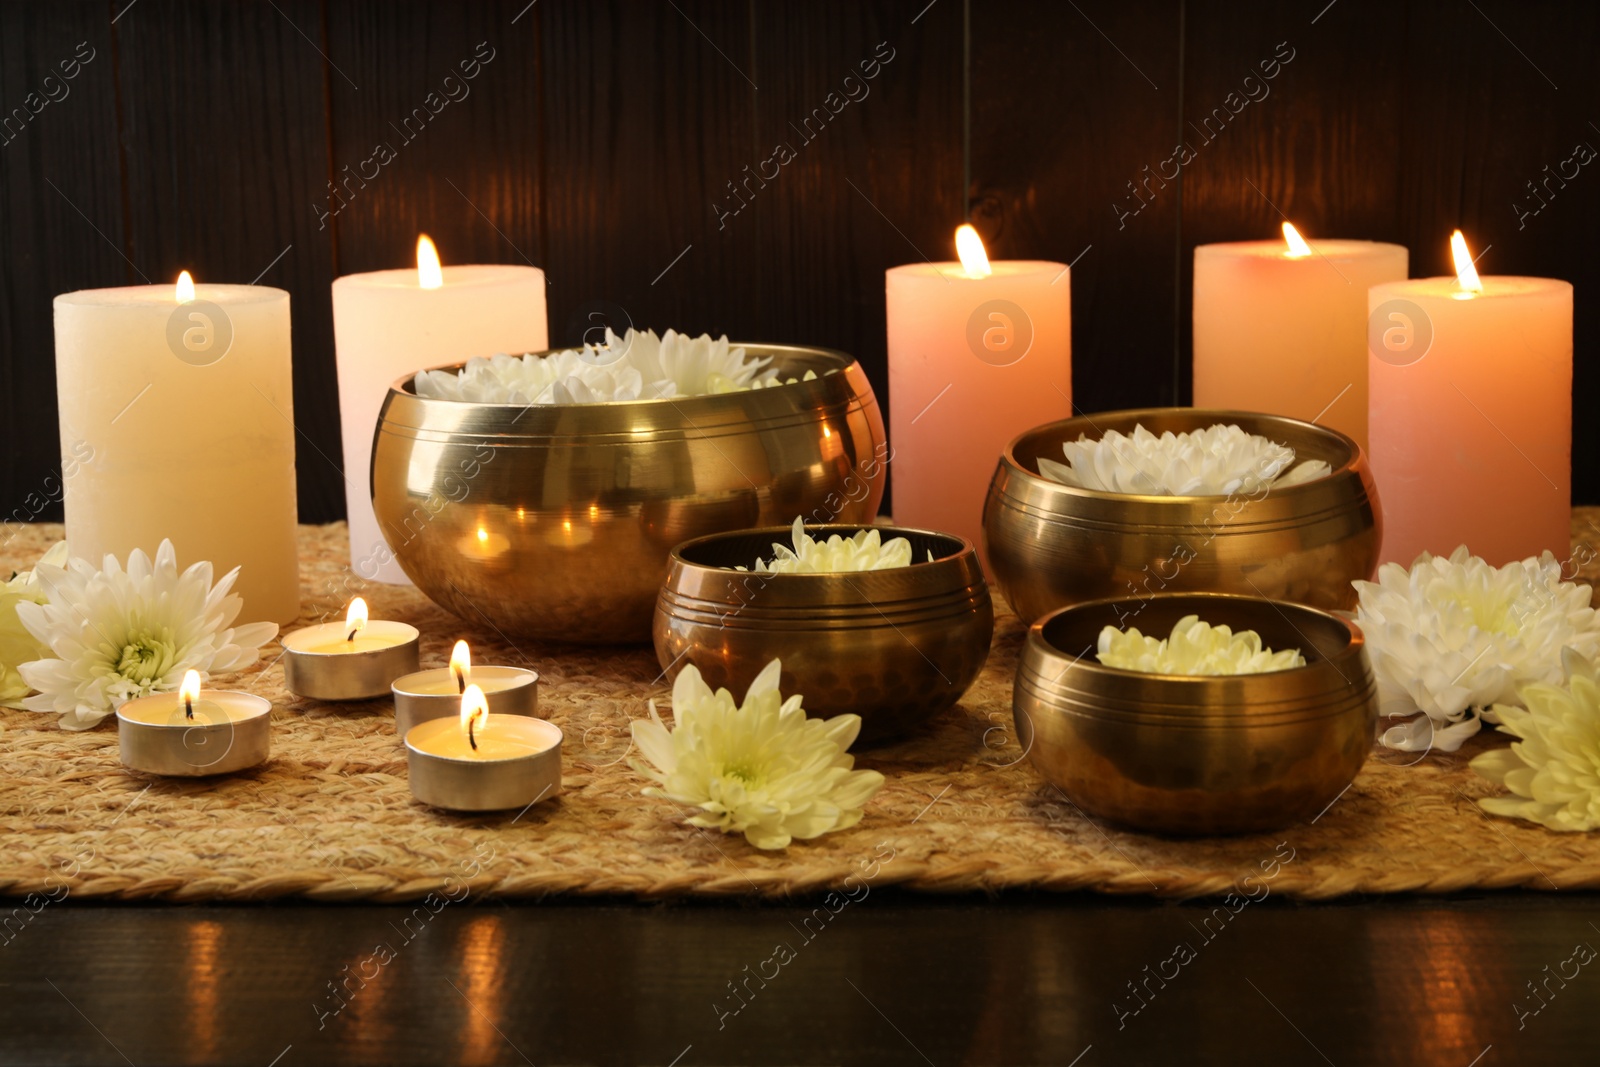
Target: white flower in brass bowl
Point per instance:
(761, 769)
(1194, 648)
(1553, 770)
(863, 551)
(636, 366)
(1218, 460)
(17, 645)
(1451, 637)
(122, 633)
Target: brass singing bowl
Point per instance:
(1196, 755)
(895, 646)
(1050, 545)
(556, 521)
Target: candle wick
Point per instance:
(471, 738)
(353, 633)
(188, 707)
(461, 681)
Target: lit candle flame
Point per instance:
(461, 665)
(429, 274)
(483, 536)
(474, 713)
(189, 692)
(969, 246)
(1298, 249)
(355, 620)
(1466, 273)
(185, 292)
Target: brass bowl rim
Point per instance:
(1355, 643)
(406, 384)
(827, 529)
(1008, 457)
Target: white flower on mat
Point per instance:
(17, 645)
(1216, 461)
(1453, 636)
(636, 366)
(763, 769)
(1553, 772)
(123, 633)
(862, 551)
(1195, 647)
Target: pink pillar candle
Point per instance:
(1471, 416)
(1283, 330)
(974, 361)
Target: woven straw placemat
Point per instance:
(330, 816)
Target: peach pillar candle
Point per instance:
(177, 402)
(1281, 326)
(978, 353)
(391, 323)
(1471, 414)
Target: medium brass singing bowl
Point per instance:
(1050, 545)
(555, 521)
(895, 646)
(1196, 755)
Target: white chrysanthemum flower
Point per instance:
(636, 366)
(1194, 647)
(1553, 772)
(862, 551)
(17, 645)
(1451, 637)
(763, 769)
(123, 633)
(1216, 461)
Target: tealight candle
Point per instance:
(353, 660)
(481, 762)
(436, 693)
(194, 732)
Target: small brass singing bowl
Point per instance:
(555, 520)
(1050, 545)
(1196, 756)
(895, 646)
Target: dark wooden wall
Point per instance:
(599, 138)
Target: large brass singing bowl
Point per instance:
(1050, 545)
(556, 521)
(1196, 755)
(895, 646)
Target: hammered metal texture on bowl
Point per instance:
(895, 646)
(1050, 545)
(1196, 755)
(555, 521)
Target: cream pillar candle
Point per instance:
(391, 323)
(1471, 414)
(978, 353)
(1281, 326)
(186, 412)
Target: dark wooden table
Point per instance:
(890, 979)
